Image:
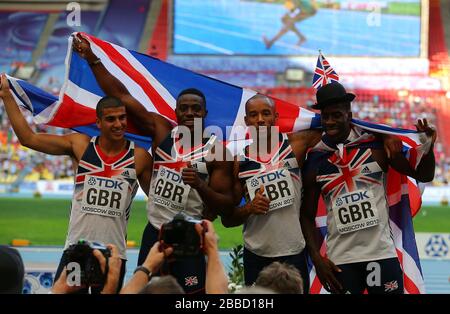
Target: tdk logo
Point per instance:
(351, 198)
(272, 176)
(172, 175)
(106, 183)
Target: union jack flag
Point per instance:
(191, 281)
(391, 286)
(350, 172)
(404, 200)
(156, 84)
(324, 73)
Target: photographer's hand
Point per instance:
(62, 286)
(114, 266)
(153, 262)
(156, 256)
(216, 278)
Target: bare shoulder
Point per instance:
(141, 153)
(79, 141)
(306, 138)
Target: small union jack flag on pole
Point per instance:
(324, 73)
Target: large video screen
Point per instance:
(382, 28)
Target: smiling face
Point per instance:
(259, 111)
(113, 123)
(336, 120)
(189, 107)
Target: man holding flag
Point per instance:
(99, 213)
(267, 173)
(200, 183)
(349, 169)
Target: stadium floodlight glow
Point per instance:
(294, 74)
(25, 72)
(402, 93)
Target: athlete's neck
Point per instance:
(111, 148)
(263, 147)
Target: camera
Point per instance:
(82, 253)
(181, 235)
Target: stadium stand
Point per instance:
(151, 22)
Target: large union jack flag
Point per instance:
(156, 85)
(324, 73)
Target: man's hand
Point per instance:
(325, 270)
(190, 177)
(422, 126)
(61, 286)
(114, 266)
(156, 256)
(260, 203)
(208, 237)
(4, 87)
(392, 145)
(81, 46)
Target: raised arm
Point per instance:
(72, 144)
(324, 267)
(425, 170)
(150, 123)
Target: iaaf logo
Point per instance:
(352, 197)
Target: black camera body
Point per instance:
(82, 253)
(181, 235)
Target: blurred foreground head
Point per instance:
(12, 271)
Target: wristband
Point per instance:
(145, 270)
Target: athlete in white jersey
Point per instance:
(106, 167)
(271, 184)
(352, 181)
(183, 180)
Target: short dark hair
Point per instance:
(281, 278)
(12, 270)
(193, 91)
(107, 102)
(260, 96)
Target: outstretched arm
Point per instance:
(150, 123)
(72, 144)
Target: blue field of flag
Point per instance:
(236, 27)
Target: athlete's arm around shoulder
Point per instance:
(144, 166)
(303, 140)
(71, 144)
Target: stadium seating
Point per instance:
(21, 31)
